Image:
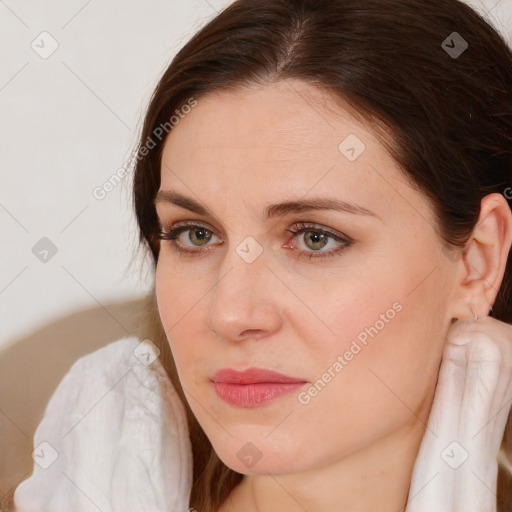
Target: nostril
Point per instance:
(251, 333)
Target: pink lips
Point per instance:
(254, 386)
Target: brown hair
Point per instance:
(445, 118)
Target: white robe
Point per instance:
(114, 437)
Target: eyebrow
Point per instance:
(271, 211)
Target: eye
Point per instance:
(198, 234)
(317, 238)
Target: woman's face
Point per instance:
(361, 322)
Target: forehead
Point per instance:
(272, 128)
(286, 115)
(285, 138)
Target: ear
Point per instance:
(482, 265)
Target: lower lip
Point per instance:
(252, 395)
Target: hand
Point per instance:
(456, 468)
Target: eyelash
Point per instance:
(171, 234)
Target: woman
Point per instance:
(324, 188)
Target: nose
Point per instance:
(245, 302)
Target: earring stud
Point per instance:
(475, 317)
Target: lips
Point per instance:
(254, 376)
(253, 387)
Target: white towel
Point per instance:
(114, 438)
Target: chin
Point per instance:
(258, 457)
(270, 466)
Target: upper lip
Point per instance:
(252, 376)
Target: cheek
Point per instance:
(171, 297)
(180, 299)
(390, 337)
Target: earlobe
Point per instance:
(483, 262)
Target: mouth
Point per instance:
(254, 386)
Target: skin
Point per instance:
(353, 446)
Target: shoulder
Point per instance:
(114, 434)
